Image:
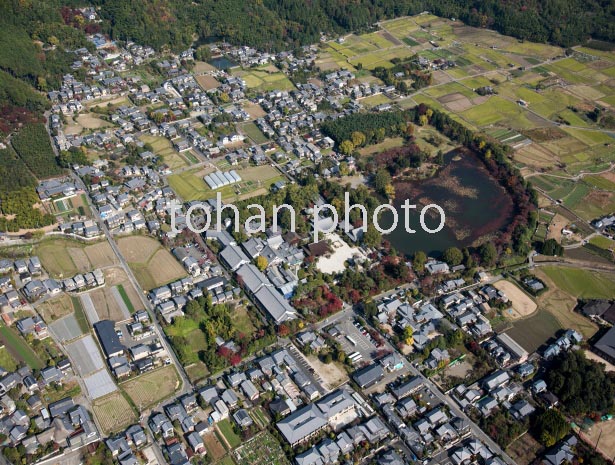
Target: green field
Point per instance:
(19, 349)
(189, 185)
(125, 298)
(602, 242)
(265, 80)
(226, 429)
(7, 361)
(80, 314)
(252, 131)
(582, 283)
(227, 460)
(533, 332)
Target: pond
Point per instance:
(222, 63)
(475, 204)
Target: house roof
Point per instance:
(302, 423)
(606, 344)
(369, 375)
(109, 340)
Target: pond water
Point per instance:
(222, 63)
(475, 205)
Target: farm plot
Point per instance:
(85, 355)
(108, 305)
(262, 448)
(99, 384)
(64, 257)
(256, 180)
(265, 80)
(18, 348)
(149, 389)
(226, 429)
(163, 148)
(151, 263)
(114, 413)
(66, 328)
(214, 447)
(531, 333)
(561, 305)
(7, 361)
(252, 131)
(582, 283)
(522, 304)
(207, 82)
(189, 185)
(54, 309)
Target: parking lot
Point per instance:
(362, 343)
(306, 368)
(85, 355)
(130, 341)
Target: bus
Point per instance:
(351, 340)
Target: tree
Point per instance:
(372, 237)
(419, 260)
(389, 191)
(552, 247)
(551, 426)
(408, 335)
(581, 385)
(346, 147)
(423, 120)
(261, 262)
(488, 253)
(453, 256)
(203, 53)
(357, 138)
(382, 179)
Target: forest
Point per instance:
(33, 145)
(582, 385)
(17, 195)
(277, 24)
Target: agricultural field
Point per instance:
(215, 449)
(66, 257)
(152, 387)
(162, 147)
(375, 100)
(226, 429)
(151, 263)
(265, 79)
(19, 349)
(262, 448)
(251, 130)
(114, 413)
(534, 331)
(207, 82)
(112, 303)
(56, 308)
(561, 305)
(582, 283)
(522, 304)
(540, 101)
(524, 449)
(196, 372)
(7, 361)
(256, 180)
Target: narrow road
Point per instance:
(186, 385)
